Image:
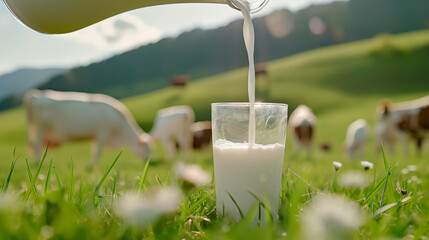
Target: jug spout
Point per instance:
(55, 17)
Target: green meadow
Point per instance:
(340, 83)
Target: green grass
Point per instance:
(341, 83)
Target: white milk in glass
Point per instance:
(241, 170)
(245, 168)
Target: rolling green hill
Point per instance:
(201, 53)
(341, 83)
(327, 79)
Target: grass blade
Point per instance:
(158, 180)
(198, 203)
(387, 167)
(380, 182)
(56, 175)
(80, 194)
(97, 188)
(261, 202)
(115, 179)
(400, 203)
(308, 184)
(48, 177)
(33, 181)
(71, 185)
(385, 208)
(386, 164)
(30, 176)
(12, 167)
(80, 198)
(236, 204)
(385, 186)
(143, 177)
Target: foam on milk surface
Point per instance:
(225, 144)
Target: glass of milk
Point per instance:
(245, 172)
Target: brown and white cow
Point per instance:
(404, 122)
(301, 124)
(202, 132)
(60, 117)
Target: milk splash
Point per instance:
(249, 40)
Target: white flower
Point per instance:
(412, 168)
(404, 171)
(140, 210)
(337, 165)
(193, 174)
(331, 217)
(366, 165)
(8, 203)
(353, 179)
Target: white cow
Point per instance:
(403, 121)
(59, 117)
(357, 135)
(301, 124)
(173, 125)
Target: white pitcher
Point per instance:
(62, 16)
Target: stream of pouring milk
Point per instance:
(249, 40)
(241, 168)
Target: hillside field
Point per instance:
(340, 83)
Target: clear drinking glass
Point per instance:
(246, 172)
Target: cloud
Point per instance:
(6, 68)
(117, 34)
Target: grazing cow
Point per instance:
(356, 137)
(301, 124)
(260, 70)
(179, 81)
(173, 125)
(326, 146)
(202, 132)
(403, 121)
(59, 117)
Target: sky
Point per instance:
(23, 47)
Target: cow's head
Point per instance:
(384, 108)
(384, 114)
(384, 127)
(144, 146)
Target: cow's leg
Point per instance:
(419, 145)
(97, 147)
(404, 141)
(185, 142)
(362, 149)
(296, 144)
(37, 145)
(170, 147)
(352, 150)
(389, 146)
(309, 148)
(189, 140)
